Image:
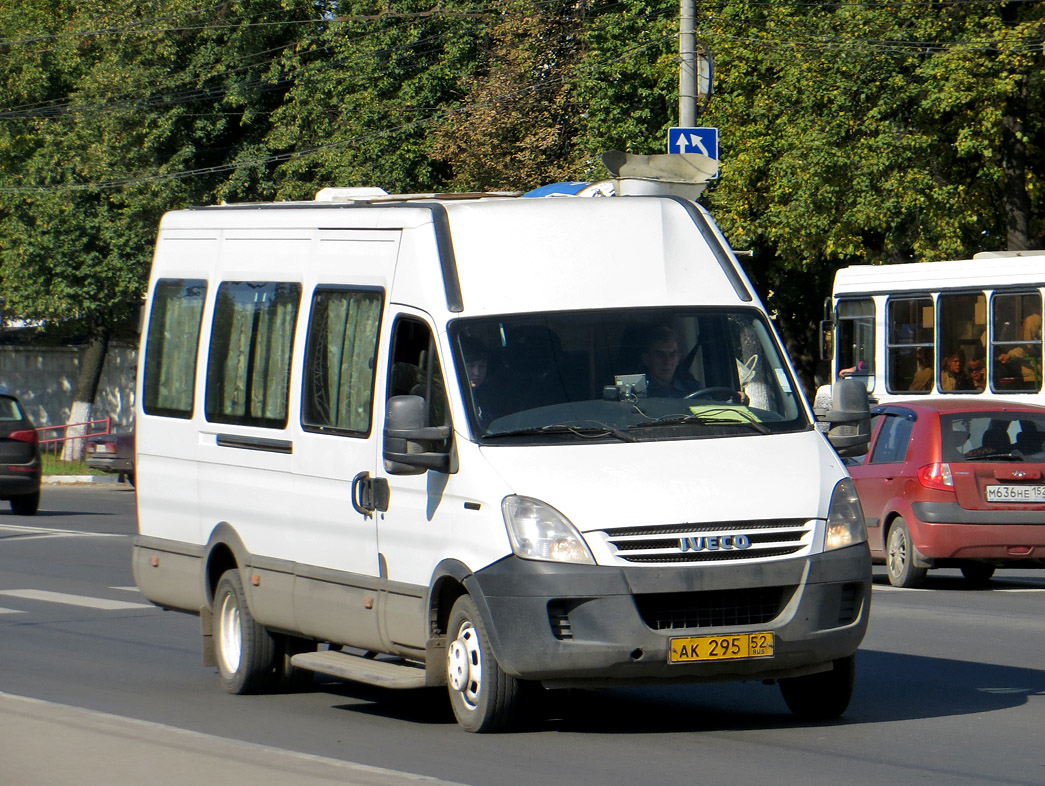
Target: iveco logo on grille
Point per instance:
(715, 543)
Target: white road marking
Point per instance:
(18, 532)
(75, 600)
(10, 611)
(124, 589)
(890, 588)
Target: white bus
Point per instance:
(970, 327)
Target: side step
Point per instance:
(356, 668)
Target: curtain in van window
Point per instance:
(171, 347)
(339, 372)
(248, 373)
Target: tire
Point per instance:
(483, 697)
(977, 573)
(26, 504)
(899, 557)
(246, 653)
(823, 696)
(288, 678)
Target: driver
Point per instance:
(660, 360)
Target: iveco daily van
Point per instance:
(489, 442)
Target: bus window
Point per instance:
(909, 344)
(1016, 342)
(962, 341)
(855, 344)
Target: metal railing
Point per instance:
(68, 446)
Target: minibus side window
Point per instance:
(171, 347)
(962, 342)
(1016, 342)
(414, 370)
(909, 358)
(251, 340)
(340, 351)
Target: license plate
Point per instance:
(690, 649)
(1016, 493)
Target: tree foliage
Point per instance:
(851, 132)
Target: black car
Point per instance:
(112, 453)
(19, 458)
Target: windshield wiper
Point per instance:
(588, 432)
(992, 455)
(707, 419)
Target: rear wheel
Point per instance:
(483, 697)
(246, 651)
(899, 557)
(977, 573)
(822, 696)
(26, 504)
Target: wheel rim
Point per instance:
(897, 552)
(230, 635)
(464, 662)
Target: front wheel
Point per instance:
(483, 697)
(823, 696)
(899, 557)
(246, 651)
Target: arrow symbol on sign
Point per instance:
(694, 140)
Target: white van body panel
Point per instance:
(600, 486)
(503, 267)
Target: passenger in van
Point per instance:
(477, 364)
(660, 361)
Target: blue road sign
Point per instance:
(694, 140)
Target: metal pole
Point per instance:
(688, 63)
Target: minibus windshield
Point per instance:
(626, 374)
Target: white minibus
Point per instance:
(493, 443)
(970, 327)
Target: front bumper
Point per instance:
(578, 624)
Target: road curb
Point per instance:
(61, 480)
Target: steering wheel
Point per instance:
(711, 393)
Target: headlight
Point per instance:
(539, 531)
(845, 518)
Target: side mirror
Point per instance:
(408, 438)
(849, 418)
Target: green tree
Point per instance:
(369, 87)
(858, 134)
(110, 115)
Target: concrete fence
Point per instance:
(44, 378)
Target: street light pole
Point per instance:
(688, 63)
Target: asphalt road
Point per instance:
(98, 687)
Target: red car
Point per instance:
(954, 483)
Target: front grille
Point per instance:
(714, 608)
(710, 542)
